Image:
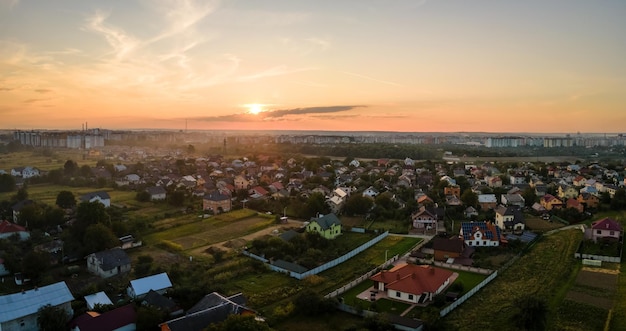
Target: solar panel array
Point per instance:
(526, 236)
(468, 229)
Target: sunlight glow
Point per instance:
(255, 108)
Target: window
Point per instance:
(410, 296)
(598, 231)
(484, 243)
(612, 233)
(398, 294)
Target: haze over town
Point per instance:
(412, 66)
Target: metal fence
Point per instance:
(467, 295)
(324, 266)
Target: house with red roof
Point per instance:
(481, 234)
(604, 229)
(8, 229)
(550, 202)
(575, 204)
(412, 283)
(122, 318)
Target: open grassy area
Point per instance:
(198, 232)
(545, 271)
(335, 321)
(36, 159)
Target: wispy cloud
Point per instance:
(6, 89)
(271, 72)
(43, 90)
(372, 79)
(121, 42)
(277, 114)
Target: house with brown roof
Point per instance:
(481, 234)
(575, 204)
(604, 229)
(447, 248)
(550, 202)
(412, 283)
(588, 200)
(424, 220)
(217, 202)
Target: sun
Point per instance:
(255, 108)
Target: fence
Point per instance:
(464, 268)
(615, 259)
(360, 279)
(325, 266)
(467, 295)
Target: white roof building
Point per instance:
(140, 287)
(99, 298)
(19, 310)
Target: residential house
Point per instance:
(494, 181)
(108, 263)
(566, 192)
(550, 202)
(452, 190)
(579, 181)
(20, 310)
(217, 202)
(8, 229)
(447, 248)
(132, 178)
(99, 196)
(123, 318)
(328, 226)
(156, 193)
(140, 287)
(453, 200)
(480, 234)
(211, 309)
(258, 192)
(412, 283)
(25, 172)
(241, 183)
(604, 229)
(575, 204)
(589, 200)
(424, 220)
(99, 298)
(470, 211)
(424, 200)
(370, 192)
(17, 208)
(3, 269)
(487, 201)
(517, 178)
(513, 200)
(510, 218)
(162, 303)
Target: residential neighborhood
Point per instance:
(142, 221)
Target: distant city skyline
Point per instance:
(399, 66)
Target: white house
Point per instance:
(19, 310)
(480, 234)
(108, 263)
(100, 196)
(159, 283)
(8, 229)
(605, 228)
(412, 283)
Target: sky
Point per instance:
(359, 65)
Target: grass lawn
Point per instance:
(197, 232)
(545, 271)
(41, 162)
(336, 321)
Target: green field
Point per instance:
(198, 232)
(546, 272)
(34, 159)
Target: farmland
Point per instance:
(546, 272)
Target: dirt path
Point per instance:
(240, 242)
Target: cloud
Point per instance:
(121, 42)
(34, 100)
(6, 89)
(273, 115)
(372, 79)
(308, 110)
(43, 90)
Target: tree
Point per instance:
(530, 196)
(88, 213)
(85, 171)
(22, 194)
(52, 318)
(148, 317)
(176, 198)
(142, 196)
(98, 237)
(32, 215)
(191, 149)
(357, 204)
(532, 313)
(469, 198)
(66, 199)
(316, 203)
(240, 323)
(35, 264)
(70, 167)
(618, 202)
(7, 183)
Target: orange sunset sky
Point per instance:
(398, 65)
